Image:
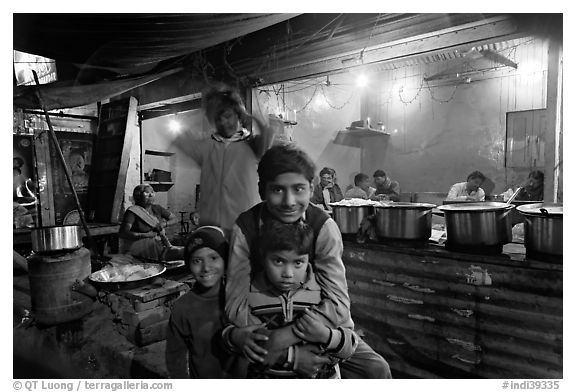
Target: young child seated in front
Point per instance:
(193, 348)
(282, 291)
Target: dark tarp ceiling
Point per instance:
(130, 43)
(119, 52)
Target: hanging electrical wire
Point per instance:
(334, 106)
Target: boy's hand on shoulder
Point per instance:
(310, 328)
(246, 340)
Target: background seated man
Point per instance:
(533, 187)
(361, 189)
(386, 188)
(327, 191)
(469, 190)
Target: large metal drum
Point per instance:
(51, 279)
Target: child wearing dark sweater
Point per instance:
(193, 344)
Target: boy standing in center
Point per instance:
(285, 182)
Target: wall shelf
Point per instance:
(159, 153)
(160, 186)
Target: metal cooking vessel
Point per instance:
(56, 238)
(543, 227)
(348, 218)
(404, 221)
(99, 278)
(477, 224)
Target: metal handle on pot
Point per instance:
(544, 211)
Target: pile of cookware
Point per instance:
(476, 227)
(392, 221)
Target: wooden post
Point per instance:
(553, 121)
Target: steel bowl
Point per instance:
(543, 227)
(477, 224)
(404, 221)
(56, 238)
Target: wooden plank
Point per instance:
(171, 101)
(553, 120)
(151, 334)
(145, 318)
(44, 171)
(150, 292)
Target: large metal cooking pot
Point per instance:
(477, 224)
(56, 238)
(404, 221)
(543, 227)
(349, 213)
(348, 218)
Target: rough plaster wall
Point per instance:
(439, 135)
(321, 113)
(156, 135)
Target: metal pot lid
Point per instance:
(542, 209)
(406, 205)
(353, 203)
(475, 207)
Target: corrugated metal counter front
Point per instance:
(433, 313)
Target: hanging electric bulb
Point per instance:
(174, 125)
(361, 81)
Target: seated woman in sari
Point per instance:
(142, 229)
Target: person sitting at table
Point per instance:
(386, 188)
(142, 230)
(469, 190)
(361, 189)
(533, 187)
(327, 190)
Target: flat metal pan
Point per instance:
(107, 281)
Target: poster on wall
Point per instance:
(77, 150)
(25, 202)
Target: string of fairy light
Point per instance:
(322, 88)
